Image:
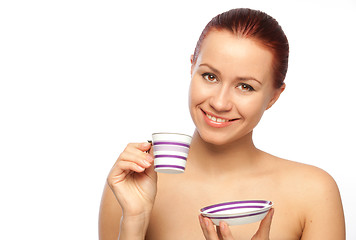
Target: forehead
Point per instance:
(235, 55)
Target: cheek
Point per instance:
(191, 93)
(192, 98)
(253, 107)
(196, 94)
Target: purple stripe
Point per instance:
(171, 148)
(169, 166)
(240, 216)
(230, 208)
(237, 202)
(171, 143)
(170, 156)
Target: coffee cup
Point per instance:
(170, 151)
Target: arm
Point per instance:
(128, 195)
(109, 216)
(324, 216)
(111, 223)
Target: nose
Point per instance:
(220, 100)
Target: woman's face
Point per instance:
(231, 87)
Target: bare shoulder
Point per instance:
(312, 182)
(310, 179)
(316, 194)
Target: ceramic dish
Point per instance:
(237, 212)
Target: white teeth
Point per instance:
(216, 119)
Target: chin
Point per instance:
(224, 138)
(214, 138)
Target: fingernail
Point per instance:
(200, 219)
(146, 145)
(147, 164)
(222, 225)
(272, 212)
(206, 221)
(149, 158)
(139, 168)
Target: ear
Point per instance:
(191, 64)
(276, 95)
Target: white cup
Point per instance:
(170, 151)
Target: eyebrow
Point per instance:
(239, 78)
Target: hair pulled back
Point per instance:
(255, 25)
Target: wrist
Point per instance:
(134, 227)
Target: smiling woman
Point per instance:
(226, 84)
(237, 73)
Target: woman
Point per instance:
(238, 70)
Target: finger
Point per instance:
(144, 146)
(224, 232)
(125, 166)
(150, 151)
(265, 226)
(136, 156)
(144, 149)
(138, 148)
(119, 172)
(203, 226)
(132, 159)
(208, 228)
(151, 173)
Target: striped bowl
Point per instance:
(237, 212)
(170, 151)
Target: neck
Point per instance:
(229, 158)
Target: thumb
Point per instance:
(265, 226)
(150, 171)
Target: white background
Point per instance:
(81, 79)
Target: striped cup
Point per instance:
(170, 151)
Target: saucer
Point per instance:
(237, 212)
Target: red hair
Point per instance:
(258, 26)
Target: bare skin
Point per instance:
(301, 193)
(232, 83)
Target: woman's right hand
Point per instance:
(134, 181)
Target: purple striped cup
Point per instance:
(170, 151)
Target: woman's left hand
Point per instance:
(223, 232)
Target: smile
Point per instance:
(216, 121)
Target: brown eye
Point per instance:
(209, 77)
(245, 87)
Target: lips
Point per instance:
(217, 121)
